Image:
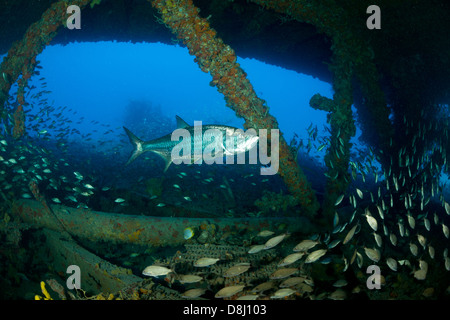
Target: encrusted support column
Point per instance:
(217, 58)
(338, 153)
(21, 58)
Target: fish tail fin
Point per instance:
(166, 157)
(137, 144)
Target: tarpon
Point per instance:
(200, 136)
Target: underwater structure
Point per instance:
(400, 88)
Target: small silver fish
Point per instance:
(414, 249)
(236, 270)
(350, 234)
(281, 293)
(445, 230)
(411, 221)
(359, 192)
(265, 233)
(272, 242)
(393, 239)
(305, 245)
(392, 264)
(373, 254)
(378, 239)
(156, 271)
(339, 200)
(189, 278)
(371, 221)
(193, 293)
(283, 273)
(256, 248)
(315, 255)
(291, 259)
(205, 262)
(229, 291)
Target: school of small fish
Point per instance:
(397, 225)
(68, 164)
(400, 223)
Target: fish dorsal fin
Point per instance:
(181, 124)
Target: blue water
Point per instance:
(84, 93)
(100, 79)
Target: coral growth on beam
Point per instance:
(21, 58)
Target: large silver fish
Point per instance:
(203, 136)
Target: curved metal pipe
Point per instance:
(155, 231)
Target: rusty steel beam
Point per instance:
(97, 274)
(145, 230)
